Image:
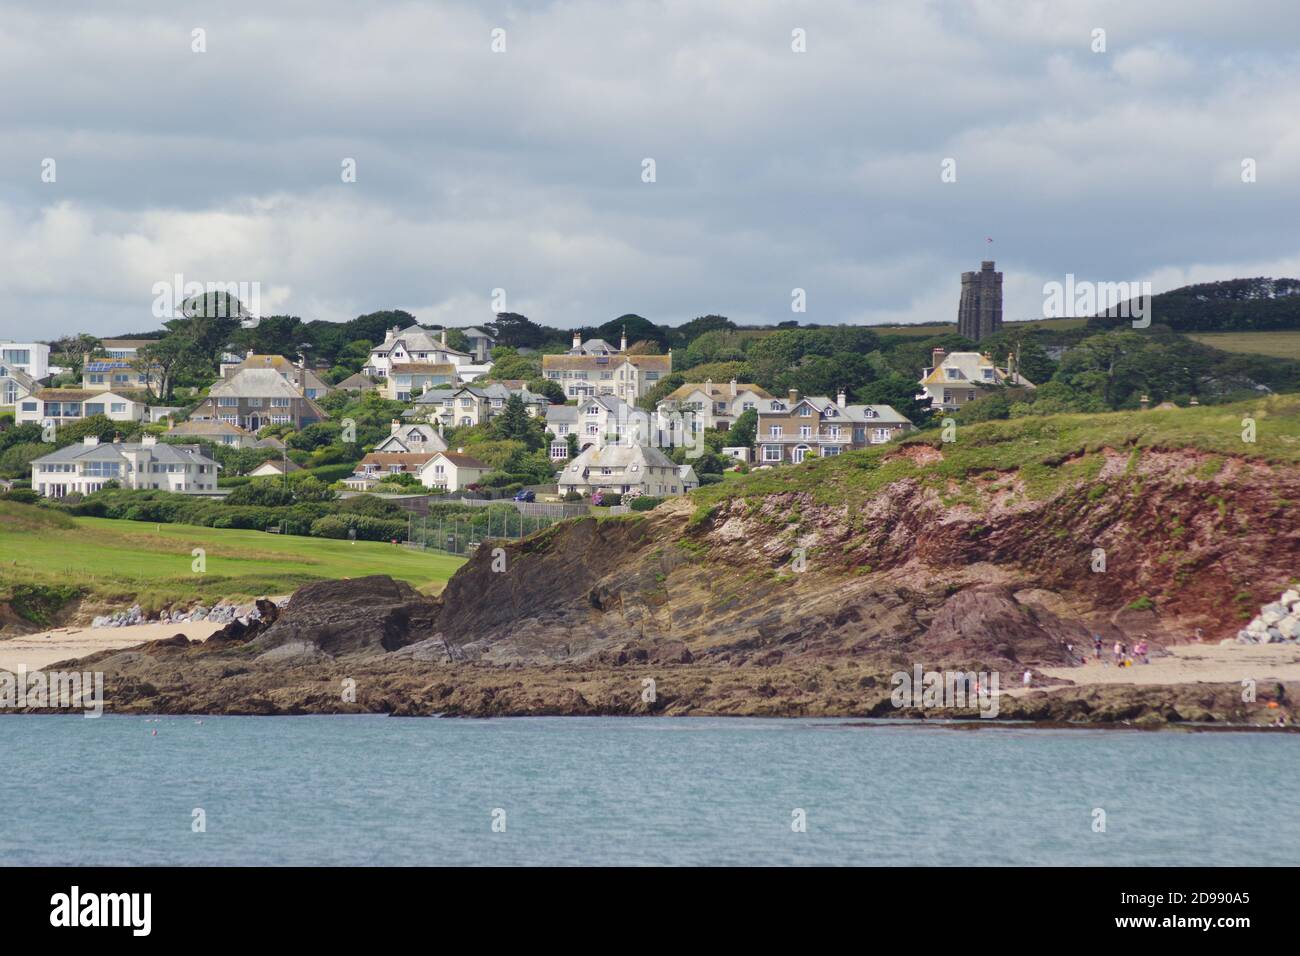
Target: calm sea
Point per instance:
(635, 791)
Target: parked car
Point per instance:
(525, 495)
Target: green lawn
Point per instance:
(1277, 344)
(152, 564)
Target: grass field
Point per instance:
(941, 328)
(1277, 344)
(152, 564)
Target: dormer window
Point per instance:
(805, 412)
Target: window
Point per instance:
(228, 402)
(117, 408)
(805, 412)
(774, 431)
(805, 431)
(771, 453)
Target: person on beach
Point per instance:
(1118, 653)
(1141, 649)
(1096, 647)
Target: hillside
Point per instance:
(976, 554)
(1235, 305)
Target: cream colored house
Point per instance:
(452, 471)
(626, 469)
(692, 408)
(412, 437)
(954, 379)
(65, 405)
(594, 367)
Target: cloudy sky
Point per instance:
(522, 170)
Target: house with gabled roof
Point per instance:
(295, 373)
(253, 398)
(413, 345)
(594, 367)
(690, 409)
(452, 471)
(87, 467)
(374, 466)
(623, 469)
(407, 379)
(103, 374)
(412, 437)
(792, 429)
(953, 379)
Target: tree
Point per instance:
(744, 429)
(164, 360)
(513, 424)
(517, 331)
(547, 388)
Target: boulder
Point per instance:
(371, 615)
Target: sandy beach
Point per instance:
(40, 650)
(1191, 664)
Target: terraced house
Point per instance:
(594, 367)
(792, 429)
(86, 468)
(693, 408)
(256, 397)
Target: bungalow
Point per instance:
(64, 405)
(256, 397)
(452, 471)
(626, 469)
(794, 428)
(377, 464)
(952, 380)
(86, 468)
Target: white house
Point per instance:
(30, 357)
(15, 385)
(412, 437)
(692, 408)
(85, 468)
(452, 471)
(412, 346)
(625, 469)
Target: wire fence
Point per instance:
(461, 534)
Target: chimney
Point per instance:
(577, 339)
(443, 338)
(90, 440)
(733, 388)
(395, 424)
(936, 357)
(839, 399)
(149, 440)
(708, 388)
(622, 343)
(794, 395)
(439, 426)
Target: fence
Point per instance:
(461, 534)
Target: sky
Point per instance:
(515, 179)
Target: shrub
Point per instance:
(644, 503)
(609, 499)
(22, 495)
(366, 528)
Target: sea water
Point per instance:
(636, 791)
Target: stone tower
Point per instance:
(979, 313)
